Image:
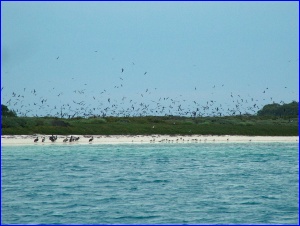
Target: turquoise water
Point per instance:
(151, 184)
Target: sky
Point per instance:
(148, 58)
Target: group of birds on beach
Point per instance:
(154, 139)
(54, 138)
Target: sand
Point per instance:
(10, 140)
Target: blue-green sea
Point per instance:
(249, 183)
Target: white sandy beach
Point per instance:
(8, 140)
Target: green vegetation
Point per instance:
(260, 125)
(6, 112)
(274, 109)
(230, 125)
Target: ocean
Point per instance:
(201, 183)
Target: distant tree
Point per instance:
(6, 112)
(275, 109)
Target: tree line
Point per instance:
(275, 109)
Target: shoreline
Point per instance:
(12, 140)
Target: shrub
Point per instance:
(188, 123)
(8, 122)
(12, 122)
(279, 110)
(6, 112)
(59, 123)
(96, 121)
(40, 123)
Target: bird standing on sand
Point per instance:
(71, 139)
(43, 139)
(36, 139)
(53, 138)
(65, 140)
(90, 140)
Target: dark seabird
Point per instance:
(91, 139)
(36, 139)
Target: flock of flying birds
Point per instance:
(87, 103)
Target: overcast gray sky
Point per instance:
(58, 53)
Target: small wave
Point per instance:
(268, 197)
(161, 181)
(136, 217)
(250, 203)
